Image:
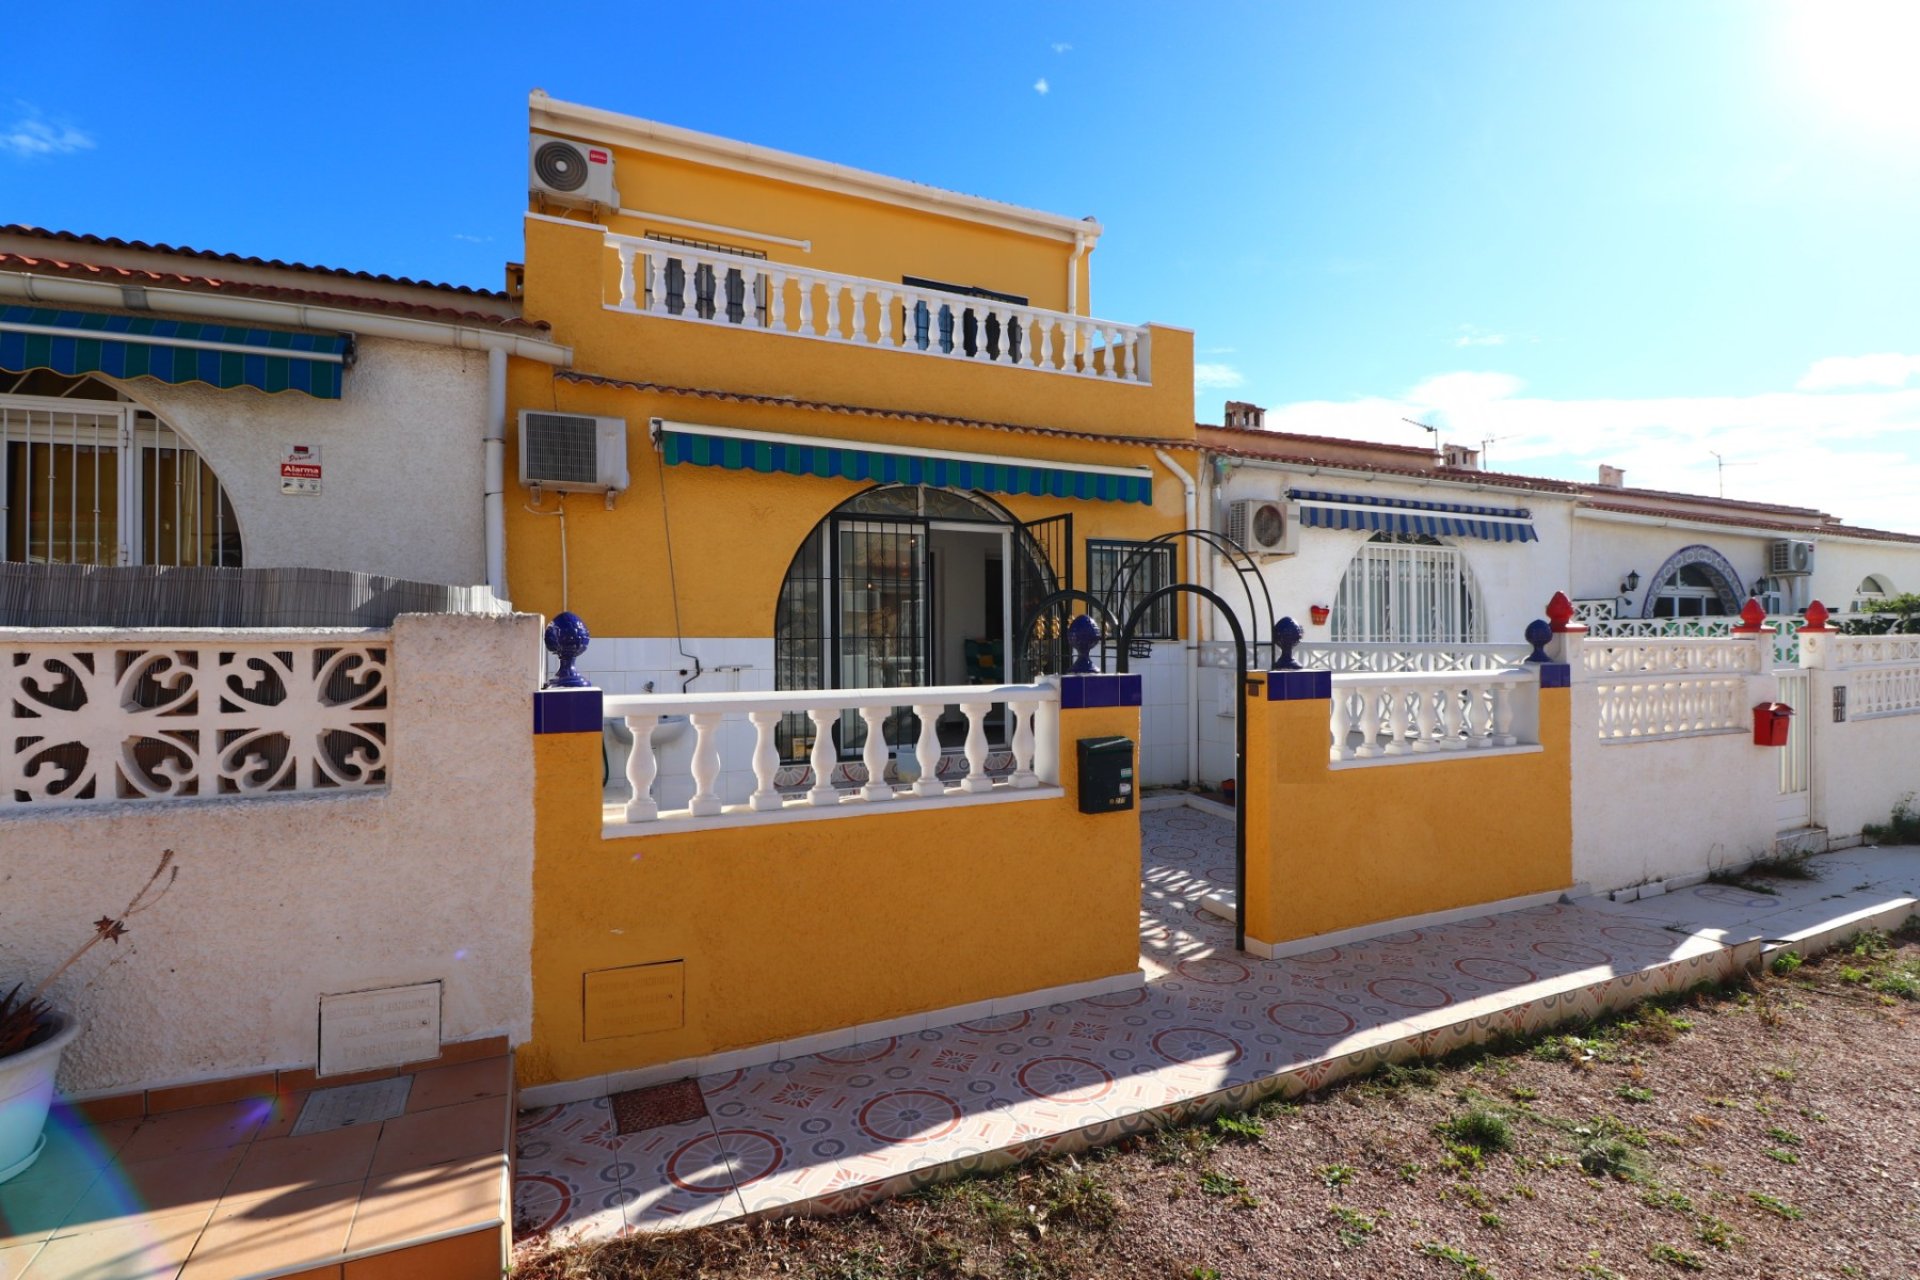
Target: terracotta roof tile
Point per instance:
(209, 284)
(1831, 528)
(207, 255)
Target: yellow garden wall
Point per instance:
(799, 928)
(1331, 849)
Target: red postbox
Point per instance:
(1771, 720)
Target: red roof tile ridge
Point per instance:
(212, 284)
(1313, 439)
(209, 255)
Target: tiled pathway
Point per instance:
(1211, 1029)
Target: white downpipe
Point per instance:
(494, 493)
(1193, 622)
(99, 293)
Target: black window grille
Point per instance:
(1124, 573)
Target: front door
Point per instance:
(1794, 809)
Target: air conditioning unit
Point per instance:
(1788, 557)
(573, 453)
(1263, 526)
(568, 172)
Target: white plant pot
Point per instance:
(26, 1094)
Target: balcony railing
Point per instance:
(901, 730)
(1676, 687)
(708, 287)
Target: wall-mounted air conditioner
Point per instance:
(573, 453)
(1263, 526)
(1787, 557)
(568, 172)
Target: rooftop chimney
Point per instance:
(1612, 477)
(1250, 417)
(1461, 458)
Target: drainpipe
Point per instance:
(494, 493)
(1193, 620)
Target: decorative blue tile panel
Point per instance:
(1128, 691)
(1077, 692)
(567, 710)
(1299, 686)
(1555, 675)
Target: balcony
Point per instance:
(705, 287)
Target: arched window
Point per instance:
(1695, 582)
(89, 478)
(1873, 589)
(1407, 588)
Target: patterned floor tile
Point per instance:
(1213, 1027)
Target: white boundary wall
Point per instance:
(281, 900)
(1660, 807)
(1864, 765)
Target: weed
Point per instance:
(857, 1264)
(1482, 1131)
(1785, 1137)
(1409, 1173)
(1226, 1186)
(1705, 1123)
(1657, 1026)
(1611, 1158)
(1181, 1146)
(1659, 1198)
(1491, 1221)
(1594, 1269)
(1241, 1128)
(1786, 1074)
(1521, 1093)
(1470, 1266)
(1395, 1078)
(1079, 1197)
(1355, 1227)
(1786, 962)
(1336, 1175)
(1634, 1093)
(1678, 1257)
(1851, 975)
(1902, 828)
(1778, 1208)
(1204, 1273)
(1784, 1157)
(1716, 1233)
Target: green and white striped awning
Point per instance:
(177, 351)
(682, 443)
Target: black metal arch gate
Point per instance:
(1125, 631)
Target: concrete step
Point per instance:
(1800, 840)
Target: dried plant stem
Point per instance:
(111, 928)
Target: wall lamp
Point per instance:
(1630, 583)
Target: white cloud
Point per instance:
(467, 239)
(1853, 453)
(1062, 47)
(1887, 369)
(1041, 86)
(31, 136)
(1217, 377)
(1474, 336)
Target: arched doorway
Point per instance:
(906, 586)
(1408, 588)
(1695, 582)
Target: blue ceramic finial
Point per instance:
(1083, 633)
(1539, 633)
(1286, 634)
(567, 639)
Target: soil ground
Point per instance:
(1766, 1129)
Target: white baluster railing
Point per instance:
(1671, 687)
(916, 759)
(1383, 658)
(1410, 714)
(841, 312)
(1675, 655)
(191, 715)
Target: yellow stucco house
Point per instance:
(852, 428)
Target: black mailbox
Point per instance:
(1106, 774)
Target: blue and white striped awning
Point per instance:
(1406, 515)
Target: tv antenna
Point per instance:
(1429, 429)
(1484, 452)
(1722, 464)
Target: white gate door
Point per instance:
(1794, 808)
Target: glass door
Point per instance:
(882, 636)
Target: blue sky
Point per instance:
(1630, 232)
